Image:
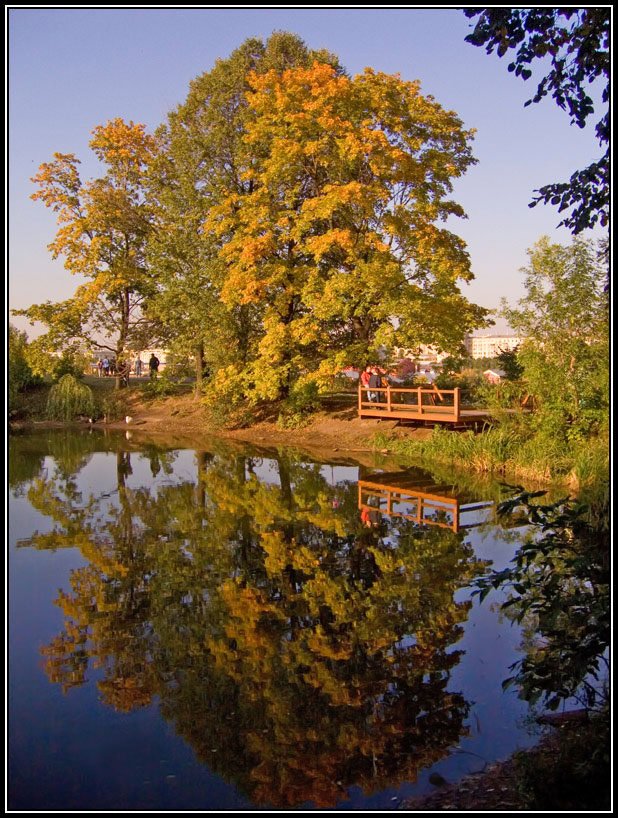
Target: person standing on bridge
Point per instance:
(364, 379)
(375, 382)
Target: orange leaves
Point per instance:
(319, 246)
(344, 181)
(103, 228)
(122, 144)
(59, 185)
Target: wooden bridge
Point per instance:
(421, 503)
(417, 403)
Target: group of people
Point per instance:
(373, 378)
(106, 366)
(109, 367)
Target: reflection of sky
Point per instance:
(70, 748)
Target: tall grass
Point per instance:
(491, 451)
(505, 450)
(590, 463)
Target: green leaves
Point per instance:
(574, 43)
(558, 586)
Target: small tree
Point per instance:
(565, 318)
(507, 361)
(69, 399)
(103, 228)
(20, 375)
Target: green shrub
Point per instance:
(70, 363)
(225, 402)
(69, 399)
(161, 387)
(20, 375)
(302, 402)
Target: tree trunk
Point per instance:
(199, 367)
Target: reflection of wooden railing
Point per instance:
(413, 403)
(418, 505)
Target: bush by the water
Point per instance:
(20, 375)
(299, 405)
(69, 399)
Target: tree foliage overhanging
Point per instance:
(575, 41)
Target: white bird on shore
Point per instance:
(128, 418)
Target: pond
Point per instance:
(245, 629)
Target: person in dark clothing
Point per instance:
(153, 365)
(375, 382)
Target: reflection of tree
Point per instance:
(23, 465)
(298, 652)
(27, 453)
(159, 459)
(107, 612)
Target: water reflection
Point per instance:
(299, 650)
(419, 500)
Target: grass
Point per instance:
(505, 452)
(488, 452)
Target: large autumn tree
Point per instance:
(336, 237)
(201, 161)
(103, 227)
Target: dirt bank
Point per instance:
(182, 420)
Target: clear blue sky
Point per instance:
(72, 69)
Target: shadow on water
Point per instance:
(299, 631)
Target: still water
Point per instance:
(243, 629)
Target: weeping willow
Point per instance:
(69, 399)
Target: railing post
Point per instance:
(456, 404)
(388, 398)
(360, 399)
(420, 400)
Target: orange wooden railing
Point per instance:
(437, 406)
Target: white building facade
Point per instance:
(490, 346)
(422, 354)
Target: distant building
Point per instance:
(490, 346)
(494, 375)
(423, 354)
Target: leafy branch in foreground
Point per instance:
(560, 578)
(572, 45)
